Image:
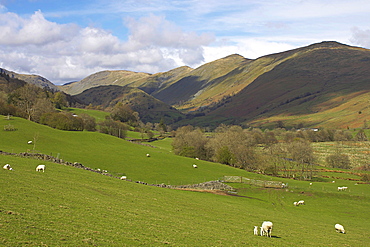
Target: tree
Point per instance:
(301, 152)
(338, 160)
(114, 128)
(25, 98)
(190, 142)
(361, 136)
(60, 100)
(124, 114)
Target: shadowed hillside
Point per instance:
(149, 108)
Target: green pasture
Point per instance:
(98, 115)
(118, 156)
(68, 206)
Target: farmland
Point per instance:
(67, 206)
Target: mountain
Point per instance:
(108, 77)
(310, 84)
(321, 85)
(32, 79)
(149, 108)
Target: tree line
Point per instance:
(285, 152)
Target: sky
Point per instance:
(66, 41)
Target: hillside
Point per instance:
(309, 81)
(68, 206)
(150, 109)
(32, 79)
(116, 77)
(320, 85)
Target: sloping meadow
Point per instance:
(68, 206)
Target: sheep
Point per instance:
(266, 228)
(301, 202)
(40, 168)
(8, 167)
(123, 178)
(195, 166)
(29, 142)
(255, 230)
(339, 228)
(295, 204)
(147, 155)
(342, 188)
(197, 158)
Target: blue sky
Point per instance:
(68, 40)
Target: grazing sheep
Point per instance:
(29, 142)
(295, 204)
(339, 228)
(255, 230)
(147, 155)
(8, 167)
(266, 228)
(195, 166)
(342, 188)
(123, 178)
(301, 202)
(197, 158)
(40, 168)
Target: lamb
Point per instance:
(40, 168)
(266, 228)
(255, 230)
(339, 228)
(8, 167)
(147, 155)
(195, 166)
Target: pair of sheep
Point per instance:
(266, 229)
(301, 202)
(38, 168)
(8, 167)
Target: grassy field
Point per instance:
(67, 206)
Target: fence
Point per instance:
(256, 182)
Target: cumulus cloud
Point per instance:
(67, 52)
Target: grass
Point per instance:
(67, 206)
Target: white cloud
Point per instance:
(66, 52)
(360, 37)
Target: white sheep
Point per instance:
(40, 168)
(339, 228)
(123, 178)
(342, 188)
(266, 228)
(255, 230)
(8, 167)
(197, 158)
(29, 142)
(195, 166)
(147, 155)
(295, 204)
(301, 202)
